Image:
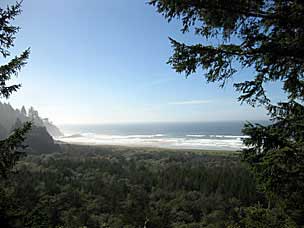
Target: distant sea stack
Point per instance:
(53, 130)
(40, 138)
(10, 116)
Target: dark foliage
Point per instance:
(125, 187)
(10, 147)
(264, 35)
(11, 150)
(7, 37)
(267, 37)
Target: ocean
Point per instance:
(203, 135)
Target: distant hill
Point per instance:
(40, 138)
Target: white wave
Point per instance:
(216, 142)
(229, 136)
(196, 136)
(233, 144)
(72, 136)
(236, 136)
(219, 136)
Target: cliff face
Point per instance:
(8, 117)
(52, 129)
(39, 139)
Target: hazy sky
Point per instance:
(96, 61)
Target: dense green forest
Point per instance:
(87, 186)
(81, 186)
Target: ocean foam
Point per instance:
(196, 136)
(216, 142)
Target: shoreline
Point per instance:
(144, 149)
(222, 144)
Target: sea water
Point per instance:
(202, 135)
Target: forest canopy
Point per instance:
(268, 37)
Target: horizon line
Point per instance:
(161, 122)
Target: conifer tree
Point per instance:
(267, 37)
(12, 147)
(23, 111)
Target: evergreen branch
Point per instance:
(7, 31)
(10, 69)
(9, 149)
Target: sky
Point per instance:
(98, 61)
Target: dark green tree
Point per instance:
(267, 37)
(12, 147)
